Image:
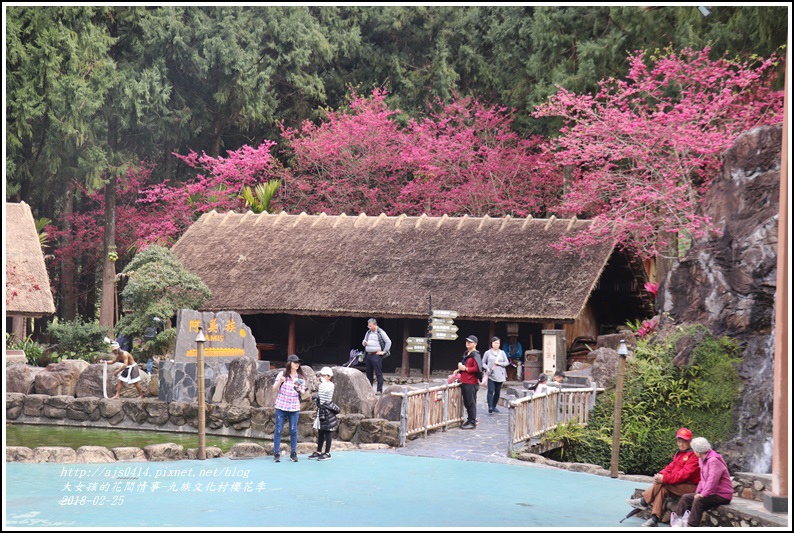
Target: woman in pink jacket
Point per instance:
(715, 487)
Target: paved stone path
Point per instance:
(487, 443)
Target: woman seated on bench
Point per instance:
(715, 487)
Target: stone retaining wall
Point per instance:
(156, 452)
(152, 414)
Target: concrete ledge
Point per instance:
(776, 504)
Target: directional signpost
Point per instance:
(416, 344)
(450, 328)
(440, 326)
(443, 335)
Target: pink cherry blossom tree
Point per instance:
(644, 150)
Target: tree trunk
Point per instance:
(107, 311)
(68, 270)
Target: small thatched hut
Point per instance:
(27, 283)
(306, 283)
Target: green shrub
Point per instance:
(78, 339)
(659, 398)
(35, 353)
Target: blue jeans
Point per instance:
(293, 430)
(494, 392)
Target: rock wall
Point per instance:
(220, 419)
(728, 283)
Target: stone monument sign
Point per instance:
(227, 336)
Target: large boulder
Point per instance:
(54, 454)
(164, 452)
(728, 283)
(240, 382)
(15, 403)
(246, 450)
(59, 378)
(19, 378)
(353, 392)
(605, 367)
(19, 454)
(82, 409)
(95, 454)
(56, 406)
(388, 406)
(128, 453)
(89, 384)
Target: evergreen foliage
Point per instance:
(158, 286)
(660, 397)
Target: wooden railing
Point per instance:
(533, 416)
(429, 408)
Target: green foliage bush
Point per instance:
(659, 398)
(78, 339)
(35, 353)
(158, 286)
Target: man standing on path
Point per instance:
(377, 345)
(469, 370)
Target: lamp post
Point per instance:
(622, 353)
(200, 339)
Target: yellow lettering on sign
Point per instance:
(194, 325)
(215, 338)
(213, 327)
(231, 326)
(218, 352)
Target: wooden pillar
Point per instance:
(19, 327)
(406, 362)
(778, 500)
(291, 337)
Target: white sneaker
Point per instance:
(636, 503)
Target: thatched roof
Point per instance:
(483, 268)
(27, 283)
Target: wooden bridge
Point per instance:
(441, 407)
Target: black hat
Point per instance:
(471, 338)
(292, 358)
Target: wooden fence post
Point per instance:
(511, 424)
(404, 417)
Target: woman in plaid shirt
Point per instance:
(290, 383)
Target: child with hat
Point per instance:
(325, 419)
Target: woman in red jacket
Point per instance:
(680, 477)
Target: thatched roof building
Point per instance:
(27, 283)
(496, 269)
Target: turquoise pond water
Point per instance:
(354, 489)
(33, 436)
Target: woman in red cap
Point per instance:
(680, 477)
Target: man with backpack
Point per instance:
(377, 346)
(470, 372)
